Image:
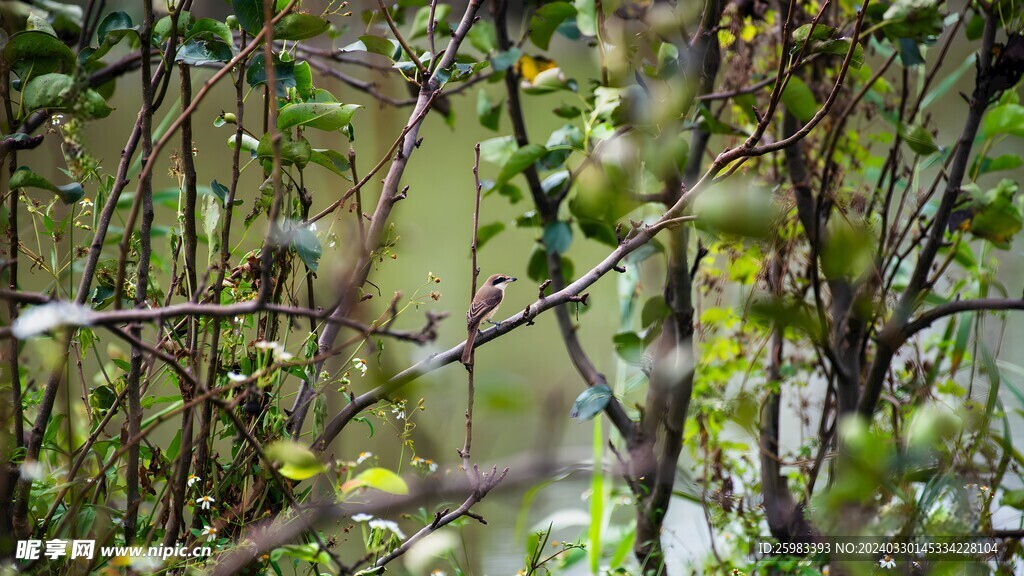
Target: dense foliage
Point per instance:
(804, 205)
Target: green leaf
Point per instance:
(379, 479)
(48, 91)
(307, 245)
(483, 36)
(114, 24)
(999, 163)
(949, 80)
(668, 62)
(598, 230)
(162, 28)
(994, 215)
(300, 26)
(1004, 119)
(546, 20)
(310, 553)
(623, 549)
(304, 83)
(297, 152)
(561, 143)
(36, 21)
(461, 71)
(918, 20)
(799, 99)
(284, 74)
(102, 397)
(376, 45)
(555, 182)
(586, 17)
(919, 139)
(520, 160)
(747, 211)
(654, 310)
(840, 47)
(220, 191)
(821, 34)
(1013, 499)
(328, 117)
(486, 232)
(506, 60)
(334, 161)
(35, 52)
(710, 123)
(174, 447)
(568, 112)
(249, 14)
(498, 150)
(786, 313)
(591, 402)
(199, 52)
(974, 29)
(910, 52)
(629, 346)
(25, 178)
(112, 29)
(537, 267)
(297, 462)
(422, 18)
(557, 237)
(210, 29)
(93, 105)
(488, 111)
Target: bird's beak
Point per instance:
(513, 279)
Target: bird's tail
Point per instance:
(467, 352)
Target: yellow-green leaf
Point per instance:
(297, 461)
(379, 479)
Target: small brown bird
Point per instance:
(484, 305)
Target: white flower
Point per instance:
(359, 364)
(363, 456)
(361, 517)
(192, 479)
(277, 349)
(398, 410)
(427, 463)
(56, 119)
(205, 502)
(887, 562)
(39, 319)
(236, 377)
(387, 525)
(438, 572)
(210, 532)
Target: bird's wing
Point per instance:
(482, 307)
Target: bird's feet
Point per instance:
(493, 323)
